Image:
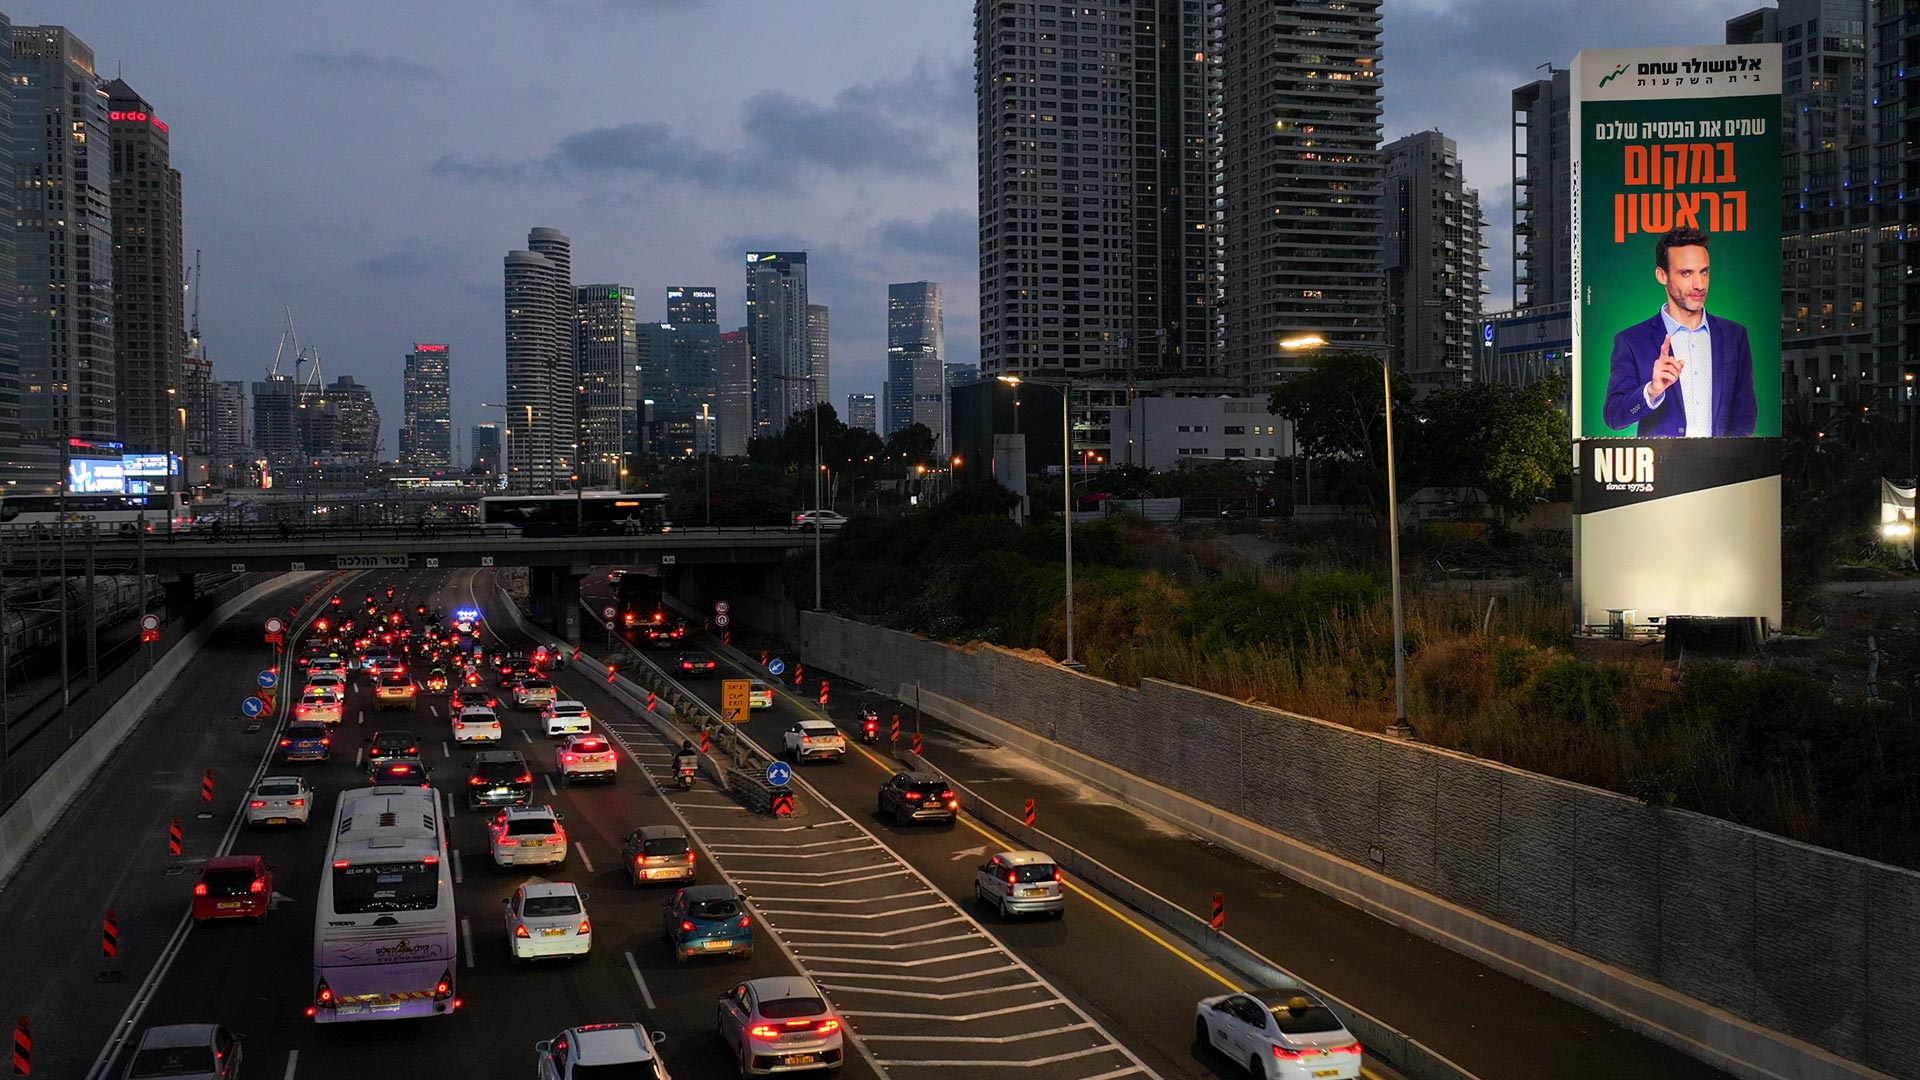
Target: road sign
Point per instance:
(721, 607)
(486, 560)
(370, 562)
(609, 625)
(149, 622)
(778, 773)
(778, 667)
(720, 619)
(252, 706)
(275, 626)
(666, 560)
(607, 612)
(267, 679)
(734, 705)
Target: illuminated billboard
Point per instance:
(93, 471)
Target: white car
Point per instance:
(587, 755)
(326, 665)
(1281, 1034)
(815, 739)
(602, 1050)
(1018, 882)
(533, 693)
(320, 706)
(827, 520)
(325, 682)
(759, 695)
(781, 1023)
(566, 718)
(527, 836)
(547, 919)
(279, 800)
(476, 723)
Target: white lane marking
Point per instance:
(445, 750)
(639, 980)
(293, 1061)
(357, 755)
(466, 937)
(588, 863)
(458, 876)
(435, 710)
(548, 777)
(362, 717)
(451, 810)
(526, 736)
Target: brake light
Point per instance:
(913, 796)
(764, 1031)
(585, 927)
(326, 740)
(1057, 875)
(258, 803)
(1012, 878)
(1350, 1048)
(259, 886)
(495, 725)
(689, 858)
(523, 778)
(286, 742)
(521, 931)
(745, 921)
(411, 750)
(559, 839)
(200, 888)
(340, 864)
(476, 781)
(299, 710)
(297, 802)
(443, 989)
(1285, 1054)
(686, 927)
(431, 860)
(827, 1027)
(566, 757)
(324, 995)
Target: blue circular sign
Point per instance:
(267, 679)
(779, 772)
(252, 706)
(1486, 333)
(778, 666)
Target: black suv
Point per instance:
(918, 796)
(498, 778)
(382, 745)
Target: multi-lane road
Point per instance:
(881, 916)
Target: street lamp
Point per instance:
(706, 454)
(1400, 729)
(817, 524)
(1066, 482)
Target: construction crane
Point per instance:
(289, 343)
(194, 348)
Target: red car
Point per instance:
(234, 887)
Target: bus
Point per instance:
(41, 515)
(384, 932)
(592, 513)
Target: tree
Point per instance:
(1510, 442)
(1337, 408)
(912, 445)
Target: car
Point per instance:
(814, 739)
(759, 695)
(476, 723)
(587, 756)
(566, 718)
(395, 691)
(385, 666)
(827, 520)
(186, 1052)
(404, 771)
(527, 836)
(233, 887)
(657, 853)
(324, 682)
(694, 664)
(780, 1023)
(326, 665)
(609, 1050)
(918, 796)
(304, 740)
(533, 692)
(498, 778)
(390, 743)
(547, 919)
(704, 920)
(372, 655)
(279, 800)
(1281, 1034)
(322, 707)
(664, 634)
(1021, 882)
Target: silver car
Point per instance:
(186, 1052)
(280, 800)
(1019, 882)
(780, 1024)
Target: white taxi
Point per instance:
(1287, 1034)
(320, 705)
(566, 718)
(475, 724)
(586, 756)
(547, 919)
(527, 836)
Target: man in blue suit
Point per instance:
(1682, 373)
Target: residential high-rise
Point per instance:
(862, 412)
(1433, 261)
(1300, 174)
(818, 366)
(1829, 187)
(276, 428)
(337, 421)
(1542, 192)
(606, 359)
(735, 380)
(778, 345)
(64, 253)
(540, 369)
(149, 329)
(229, 417)
(1096, 250)
(196, 396)
(426, 408)
(485, 441)
(12, 467)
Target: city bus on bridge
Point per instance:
(591, 513)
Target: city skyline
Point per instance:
(881, 187)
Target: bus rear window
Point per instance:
(361, 890)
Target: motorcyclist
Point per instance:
(686, 758)
(869, 724)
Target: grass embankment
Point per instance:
(1309, 628)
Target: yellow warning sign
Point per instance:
(733, 700)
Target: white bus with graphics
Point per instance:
(384, 934)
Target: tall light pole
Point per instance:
(706, 454)
(506, 439)
(818, 525)
(1400, 729)
(1066, 482)
(173, 483)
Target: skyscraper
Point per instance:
(1433, 260)
(736, 393)
(1542, 192)
(818, 367)
(12, 467)
(862, 412)
(1095, 230)
(276, 430)
(540, 369)
(229, 417)
(916, 354)
(426, 408)
(339, 420)
(485, 440)
(196, 396)
(149, 331)
(609, 383)
(685, 391)
(1300, 172)
(778, 346)
(64, 257)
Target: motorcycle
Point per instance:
(683, 775)
(869, 726)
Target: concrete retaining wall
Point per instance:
(28, 820)
(1715, 938)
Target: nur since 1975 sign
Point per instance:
(1676, 331)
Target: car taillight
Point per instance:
(764, 1031)
(323, 996)
(827, 1027)
(286, 742)
(585, 927)
(259, 886)
(299, 710)
(806, 740)
(689, 858)
(200, 888)
(913, 796)
(1012, 878)
(495, 725)
(443, 989)
(946, 796)
(521, 931)
(297, 802)
(566, 757)
(1350, 1048)
(476, 781)
(326, 740)
(1057, 875)
(686, 927)
(745, 921)
(523, 778)
(559, 838)
(257, 804)
(412, 750)
(1285, 1054)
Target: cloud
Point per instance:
(647, 149)
(850, 134)
(946, 234)
(414, 258)
(366, 65)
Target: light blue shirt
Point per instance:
(1693, 347)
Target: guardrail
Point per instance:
(272, 532)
